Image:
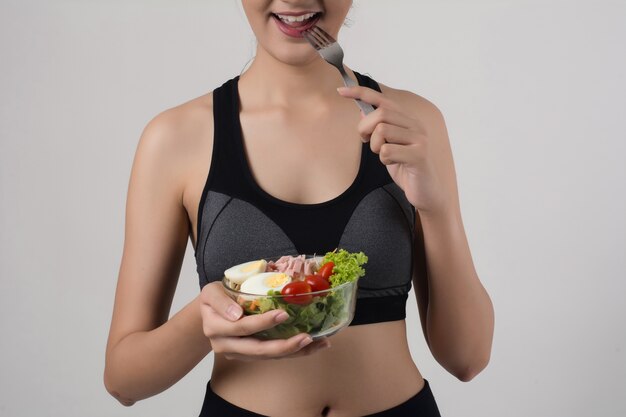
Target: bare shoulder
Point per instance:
(419, 107)
(177, 139)
(174, 132)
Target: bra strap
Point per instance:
(366, 81)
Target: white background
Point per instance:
(533, 93)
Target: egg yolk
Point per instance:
(276, 280)
(253, 266)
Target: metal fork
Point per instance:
(332, 53)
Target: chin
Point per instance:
(290, 51)
(299, 56)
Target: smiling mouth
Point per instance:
(297, 20)
(294, 25)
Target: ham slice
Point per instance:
(310, 266)
(296, 266)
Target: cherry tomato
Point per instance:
(317, 283)
(326, 270)
(292, 290)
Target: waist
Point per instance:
(364, 363)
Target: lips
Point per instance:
(295, 27)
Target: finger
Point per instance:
(386, 133)
(310, 349)
(214, 295)
(245, 326)
(368, 95)
(368, 123)
(391, 153)
(262, 349)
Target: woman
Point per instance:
(280, 159)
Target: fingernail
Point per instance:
(342, 89)
(305, 341)
(234, 312)
(281, 316)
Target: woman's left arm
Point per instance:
(410, 136)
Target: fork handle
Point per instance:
(366, 108)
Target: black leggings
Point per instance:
(422, 404)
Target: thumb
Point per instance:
(215, 295)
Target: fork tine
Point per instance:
(311, 40)
(318, 39)
(321, 32)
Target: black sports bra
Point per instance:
(239, 222)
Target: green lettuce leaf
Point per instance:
(347, 266)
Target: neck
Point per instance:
(286, 84)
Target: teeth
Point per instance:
(294, 19)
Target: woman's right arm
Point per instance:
(147, 353)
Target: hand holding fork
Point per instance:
(411, 152)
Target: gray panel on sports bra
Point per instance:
(213, 205)
(397, 193)
(380, 228)
(255, 236)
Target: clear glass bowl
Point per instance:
(319, 313)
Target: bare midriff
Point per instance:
(367, 369)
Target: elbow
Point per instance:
(466, 376)
(115, 392)
(469, 372)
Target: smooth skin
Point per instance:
(291, 105)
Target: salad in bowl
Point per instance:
(318, 292)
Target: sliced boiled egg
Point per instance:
(260, 284)
(239, 273)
